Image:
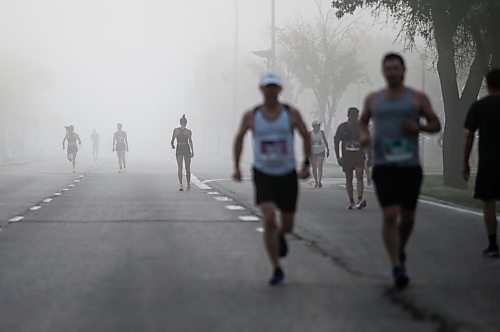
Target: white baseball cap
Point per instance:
(270, 78)
(316, 122)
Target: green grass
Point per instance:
(433, 187)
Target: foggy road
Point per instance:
(128, 252)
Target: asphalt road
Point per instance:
(128, 252)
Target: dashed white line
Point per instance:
(57, 194)
(16, 219)
(47, 200)
(76, 181)
(260, 230)
(35, 208)
(71, 185)
(249, 218)
(65, 189)
(213, 193)
(235, 207)
(199, 184)
(223, 199)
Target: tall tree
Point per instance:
(462, 33)
(322, 57)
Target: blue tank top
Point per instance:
(392, 145)
(273, 143)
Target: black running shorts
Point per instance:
(280, 190)
(487, 185)
(398, 186)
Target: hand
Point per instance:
(466, 172)
(340, 161)
(237, 175)
(192, 154)
(411, 126)
(113, 150)
(328, 153)
(173, 146)
(304, 173)
(368, 163)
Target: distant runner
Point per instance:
(72, 138)
(397, 174)
(120, 145)
(320, 149)
(353, 157)
(484, 116)
(95, 138)
(274, 169)
(184, 151)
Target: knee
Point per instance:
(391, 216)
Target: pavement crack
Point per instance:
(419, 313)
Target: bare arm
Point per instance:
(79, 140)
(114, 141)
(469, 143)
(326, 144)
(64, 140)
(126, 141)
(299, 124)
(433, 124)
(173, 139)
(336, 144)
(364, 120)
(190, 141)
(246, 124)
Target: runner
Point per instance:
(319, 146)
(484, 116)
(72, 139)
(95, 138)
(397, 174)
(352, 158)
(274, 172)
(120, 145)
(184, 151)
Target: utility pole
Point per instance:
(273, 35)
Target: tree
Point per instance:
(321, 57)
(462, 32)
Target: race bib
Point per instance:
(396, 150)
(273, 150)
(352, 146)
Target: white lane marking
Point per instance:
(35, 208)
(249, 218)
(47, 200)
(81, 176)
(441, 205)
(260, 229)
(71, 185)
(223, 199)
(16, 219)
(65, 189)
(217, 180)
(57, 194)
(76, 181)
(213, 193)
(235, 207)
(199, 184)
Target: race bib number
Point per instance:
(274, 150)
(396, 150)
(352, 146)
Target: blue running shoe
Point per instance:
(401, 279)
(277, 278)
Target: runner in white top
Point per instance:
(72, 138)
(120, 145)
(319, 148)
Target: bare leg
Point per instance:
(320, 163)
(406, 227)
(124, 161)
(188, 169)
(287, 223)
(314, 164)
(180, 160)
(120, 163)
(359, 182)
(348, 184)
(74, 160)
(391, 234)
(270, 233)
(490, 217)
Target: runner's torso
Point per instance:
(273, 143)
(393, 146)
(71, 138)
(182, 136)
(349, 137)
(120, 140)
(318, 144)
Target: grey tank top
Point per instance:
(393, 146)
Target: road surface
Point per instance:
(129, 252)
